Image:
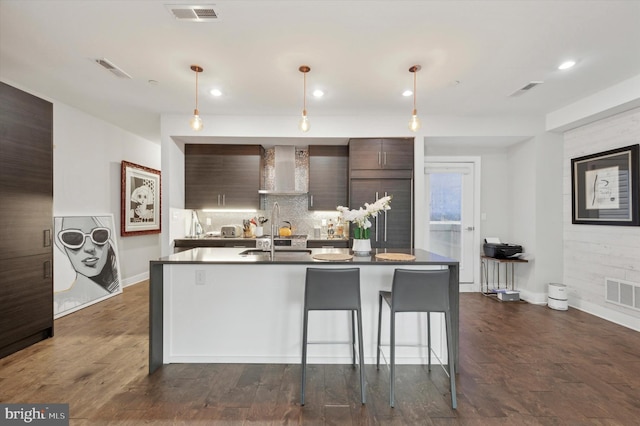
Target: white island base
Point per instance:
(217, 312)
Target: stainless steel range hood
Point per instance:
(284, 173)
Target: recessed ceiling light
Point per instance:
(215, 92)
(407, 93)
(566, 65)
(318, 93)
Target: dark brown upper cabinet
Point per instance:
(222, 176)
(328, 176)
(382, 153)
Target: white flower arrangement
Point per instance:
(360, 217)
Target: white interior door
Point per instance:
(451, 202)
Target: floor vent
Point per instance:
(202, 13)
(623, 293)
(118, 72)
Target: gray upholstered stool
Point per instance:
(418, 291)
(333, 290)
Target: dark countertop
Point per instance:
(211, 238)
(303, 256)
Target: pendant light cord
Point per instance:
(197, 90)
(414, 92)
(304, 94)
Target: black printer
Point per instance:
(501, 250)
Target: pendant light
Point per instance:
(304, 124)
(414, 122)
(196, 121)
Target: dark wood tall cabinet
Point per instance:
(381, 167)
(26, 219)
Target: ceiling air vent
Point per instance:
(201, 13)
(106, 64)
(524, 89)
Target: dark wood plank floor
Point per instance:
(520, 365)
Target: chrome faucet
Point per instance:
(275, 220)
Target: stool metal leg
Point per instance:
(304, 354)
(379, 330)
(361, 352)
(452, 371)
(392, 349)
(353, 335)
(429, 338)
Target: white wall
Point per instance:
(535, 209)
(549, 254)
(592, 252)
(86, 163)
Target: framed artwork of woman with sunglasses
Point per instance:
(86, 268)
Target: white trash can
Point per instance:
(557, 297)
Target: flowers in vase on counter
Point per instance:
(360, 217)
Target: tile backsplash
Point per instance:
(293, 208)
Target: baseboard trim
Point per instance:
(135, 279)
(603, 312)
(533, 298)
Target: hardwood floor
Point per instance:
(520, 364)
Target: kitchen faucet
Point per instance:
(275, 220)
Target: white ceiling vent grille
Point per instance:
(201, 13)
(118, 72)
(524, 89)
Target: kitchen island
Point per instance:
(237, 305)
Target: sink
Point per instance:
(284, 252)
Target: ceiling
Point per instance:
(474, 54)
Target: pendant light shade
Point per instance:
(414, 122)
(304, 124)
(196, 121)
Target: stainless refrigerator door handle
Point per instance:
(385, 215)
(376, 218)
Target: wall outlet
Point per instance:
(201, 277)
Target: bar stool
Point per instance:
(333, 290)
(418, 291)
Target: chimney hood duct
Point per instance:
(284, 179)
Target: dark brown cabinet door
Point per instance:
(397, 154)
(393, 228)
(26, 305)
(328, 176)
(241, 181)
(397, 227)
(365, 154)
(222, 176)
(26, 173)
(380, 154)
